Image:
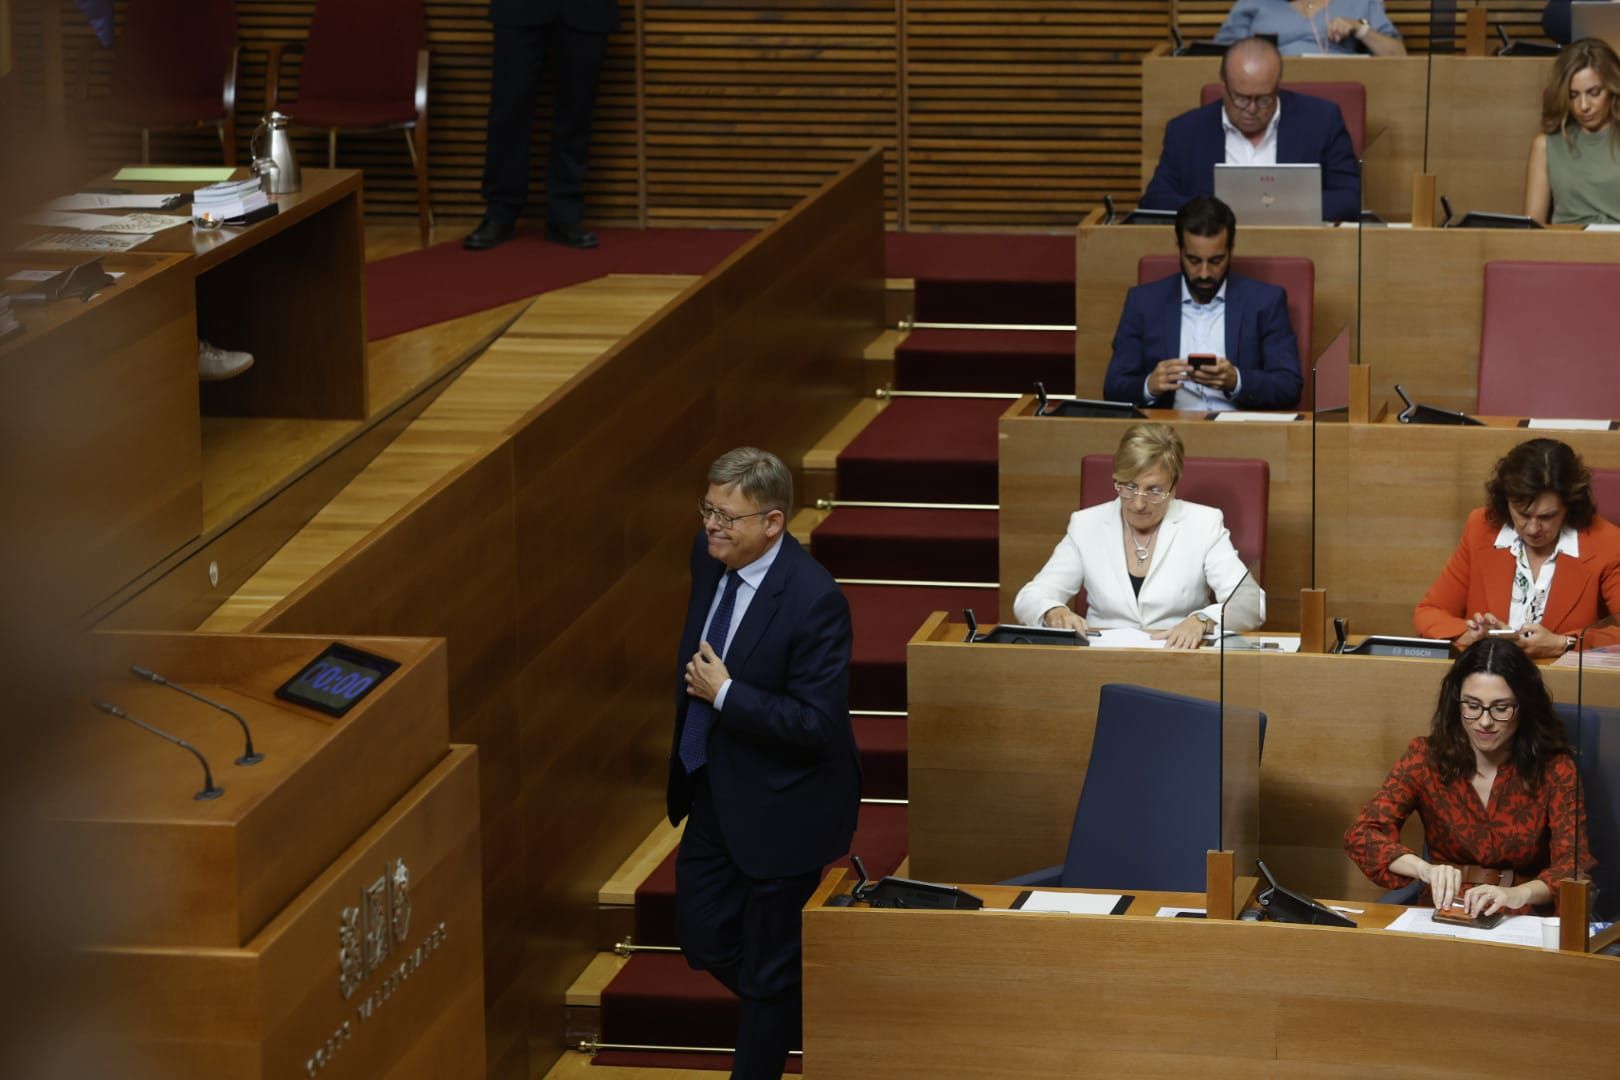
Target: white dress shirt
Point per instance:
(1241, 151)
(1530, 596)
(752, 576)
(1203, 330)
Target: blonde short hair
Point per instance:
(1147, 445)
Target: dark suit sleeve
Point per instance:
(1555, 21)
(1341, 172)
(1276, 384)
(1170, 188)
(1129, 366)
(809, 712)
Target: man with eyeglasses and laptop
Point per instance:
(763, 766)
(1256, 123)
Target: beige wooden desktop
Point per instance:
(1106, 259)
(1422, 296)
(1397, 96)
(999, 738)
(1391, 500)
(1483, 112)
(992, 994)
(1039, 471)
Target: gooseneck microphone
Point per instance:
(249, 755)
(210, 789)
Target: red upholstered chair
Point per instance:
(1239, 487)
(1605, 491)
(1547, 345)
(174, 65)
(365, 68)
(1350, 97)
(1294, 274)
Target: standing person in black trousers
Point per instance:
(571, 36)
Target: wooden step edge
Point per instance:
(823, 456)
(805, 522)
(882, 347)
(586, 990)
(620, 887)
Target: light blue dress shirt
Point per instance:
(752, 576)
(1297, 35)
(1203, 330)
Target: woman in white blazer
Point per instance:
(1147, 559)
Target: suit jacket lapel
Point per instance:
(1169, 324)
(1233, 318)
(1213, 152)
(707, 581)
(762, 608)
(1287, 152)
(1570, 582)
(1499, 582)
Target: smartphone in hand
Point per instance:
(1199, 360)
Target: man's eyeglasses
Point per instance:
(706, 511)
(1501, 711)
(1252, 102)
(1131, 491)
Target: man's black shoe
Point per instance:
(489, 233)
(574, 236)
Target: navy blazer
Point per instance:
(782, 760)
(1310, 132)
(1259, 340)
(591, 16)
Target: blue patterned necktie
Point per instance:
(699, 713)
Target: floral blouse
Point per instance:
(1533, 834)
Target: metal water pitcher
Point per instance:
(276, 148)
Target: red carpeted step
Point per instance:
(885, 617)
(880, 841)
(992, 361)
(987, 277)
(642, 1059)
(658, 1000)
(925, 450)
(882, 740)
(908, 545)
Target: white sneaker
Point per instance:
(214, 363)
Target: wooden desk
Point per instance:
(290, 290)
(989, 995)
(1483, 112)
(1391, 501)
(1422, 296)
(999, 738)
(1397, 103)
(1039, 470)
(100, 442)
(1106, 258)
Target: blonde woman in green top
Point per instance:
(1574, 170)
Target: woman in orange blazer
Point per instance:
(1535, 559)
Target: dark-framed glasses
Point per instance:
(707, 510)
(1130, 491)
(1253, 102)
(1501, 711)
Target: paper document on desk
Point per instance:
(57, 219)
(1238, 417)
(86, 241)
(1513, 930)
(1070, 903)
(175, 174)
(95, 200)
(1569, 425)
(1604, 659)
(143, 223)
(1122, 637)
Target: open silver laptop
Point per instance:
(1271, 194)
(1595, 20)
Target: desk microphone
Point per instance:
(249, 755)
(973, 626)
(210, 789)
(1040, 398)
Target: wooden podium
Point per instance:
(321, 916)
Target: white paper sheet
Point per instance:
(1568, 425)
(1172, 912)
(57, 219)
(86, 241)
(1122, 637)
(90, 200)
(1239, 417)
(1265, 642)
(1513, 930)
(1070, 903)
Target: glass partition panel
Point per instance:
(1242, 724)
(1593, 727)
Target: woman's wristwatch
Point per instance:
(1362, 27)
(1570, 641)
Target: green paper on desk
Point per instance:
(175, 173)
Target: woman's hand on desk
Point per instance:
(1444, 881)
(1061, 618)
(1186, 634)
(1540, 643)
(1489, 899)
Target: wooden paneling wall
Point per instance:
(994, 114)
(556, 566)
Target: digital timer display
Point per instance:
(337, 680)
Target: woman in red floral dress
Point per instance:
(1495, 784)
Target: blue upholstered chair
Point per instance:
(1150, 807)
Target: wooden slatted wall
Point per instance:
(993, 115)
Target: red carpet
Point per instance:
(446, 281)
(885, 617)
(925, 450)
(908, 545)
(985, 361)
(644, 1060)
(988, 277)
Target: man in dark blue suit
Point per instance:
(764, 765)
(569, 36)
(1256, 123)
(1205, 310)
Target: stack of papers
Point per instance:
(232, 199)
(1513, 930)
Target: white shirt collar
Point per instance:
(1230, 129)
(754, 573)
(1569, 541)
(1219, 297)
